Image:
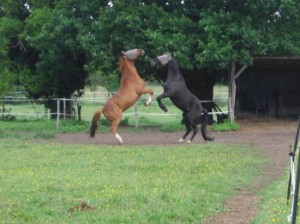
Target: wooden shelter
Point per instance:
(270, 88)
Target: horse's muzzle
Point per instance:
(155, 61)
(133, 54)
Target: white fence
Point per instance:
(23, 108)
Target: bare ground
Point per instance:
(272, 136)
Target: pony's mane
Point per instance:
(173, 62)
(125, 62)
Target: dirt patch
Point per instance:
(82, 207)
(272, 136)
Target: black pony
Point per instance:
(175, 88)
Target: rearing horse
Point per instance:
(175, 88)
(131, 88)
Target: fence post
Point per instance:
(57, 114)
(296, 190)
(64, 103)
(136, 114)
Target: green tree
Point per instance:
(43, 50)
(148, 25)
(52, 46)
(236, 31)
(60, 68)
(12, 13)
(8, 31)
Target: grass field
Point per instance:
(274, 207)
(43, 181)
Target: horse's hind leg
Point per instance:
(204, 121)
(195, 130)
(113, 129)
(188, 129)
(190, 122)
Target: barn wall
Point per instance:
(269, 90)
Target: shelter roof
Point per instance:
(277, 61)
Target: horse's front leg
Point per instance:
(160, 104)
(147, 91)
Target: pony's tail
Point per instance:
(94, 124)
(203, 126)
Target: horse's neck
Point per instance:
(174, 71)
(128, 70)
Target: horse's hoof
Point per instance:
(148, 101)
(181, 140)
(211, 139)
(119, 138)
(189, 141)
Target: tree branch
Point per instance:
(240, 71)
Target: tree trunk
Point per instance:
(231, 92)
(232, 89)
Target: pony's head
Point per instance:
(162, 59)
(133, 54)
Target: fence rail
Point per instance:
(35, 109)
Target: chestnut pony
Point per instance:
(131, 88)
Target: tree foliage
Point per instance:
(51, 46)
(235, 31)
